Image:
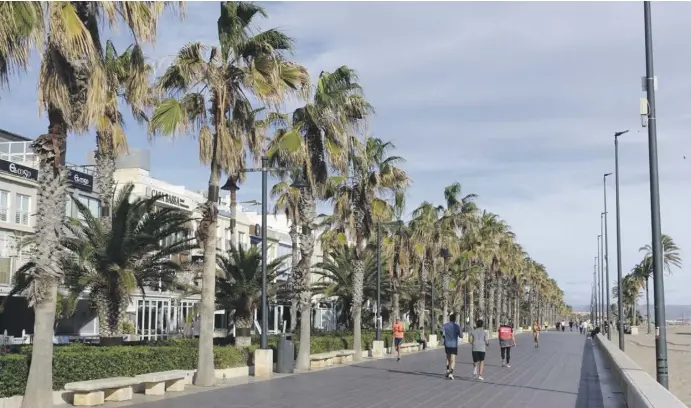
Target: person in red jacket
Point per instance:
(506, 341)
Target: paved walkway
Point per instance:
(562, 373)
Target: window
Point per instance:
(6, 252)
(241, 240)
(22, 211)
(4, 205)
(93, 204)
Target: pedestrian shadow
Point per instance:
(465, 379)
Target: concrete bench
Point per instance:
(344, 356)
(408, 348)
(96, 392)
(322, 359)
(159, 383)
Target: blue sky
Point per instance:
(516, 101)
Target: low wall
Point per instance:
(639, 389)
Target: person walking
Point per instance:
(536, 334)
(451, 332)
(479, 338)
(506, 341)
(398, 337)
(584, 328)
(570, 325)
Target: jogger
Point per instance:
(536, 334)
(506, 341)
(451, 331)
(398, 338)
(479, 338)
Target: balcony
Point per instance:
(18, 152)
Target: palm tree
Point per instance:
(316, 141)
(287, 199)
(72, 91)
(360, 202)
(336, 278)
(21, 30)
(239, 286)
(126, 80)
(207, 97)
(111, 262)
(670, 258)
(400, 262)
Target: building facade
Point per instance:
(18, 188)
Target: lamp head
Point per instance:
(230, 185)
(608, 174)
(299, 182)
(617, 134)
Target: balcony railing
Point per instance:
(18, 152)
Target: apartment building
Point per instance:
(18, 187)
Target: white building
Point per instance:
(18, 187)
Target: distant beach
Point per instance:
(641, 348)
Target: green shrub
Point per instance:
(82, 362)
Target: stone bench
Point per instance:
(408, 347)
(96, 392)
(322, 359)
(159, 383)
(344, 356)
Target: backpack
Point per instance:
(505, 333)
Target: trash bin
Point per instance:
(285, 360)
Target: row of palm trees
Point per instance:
(638, 279)
(226, 96)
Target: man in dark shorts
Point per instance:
(506, 341)
(479, 338)
(451, 331)
(398, 337)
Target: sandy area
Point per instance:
(641, 348)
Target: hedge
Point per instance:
(80, 362)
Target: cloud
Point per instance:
(516, 101)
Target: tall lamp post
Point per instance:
(595, 292)
(378, 312)
(609, 309)
(620, 302)
(602, 267)
(232, 185)
(658, 280)
(599, 282)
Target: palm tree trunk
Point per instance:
(445, 279)
(481, 307)
(471, 307)
(104, 178)
(497, 312)
(358, 276)
(233, 217)
(206, 238)
(490, 304)
(295, 259)
(42, 294)
(243, 321)
(308, 213)
(421, 304)
(647, 303)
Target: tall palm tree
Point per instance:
(670, 258)
(208, 97)
(400, 262)
(317, 140)
(287, 200)
(360, 202)
(239, 286)
(71, 90)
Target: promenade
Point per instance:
(562, 373)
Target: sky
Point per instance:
(516, 101)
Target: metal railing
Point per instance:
(18, 152)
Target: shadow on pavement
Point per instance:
(589, 391)
(465, 379)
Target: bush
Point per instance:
(83, 362)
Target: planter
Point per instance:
(111, 341)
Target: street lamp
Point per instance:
(378, 312)
(602, 267)
(230, 185)
(599, 281)
(658, 280)
(609, 317)
(596, 296)
(620, 302)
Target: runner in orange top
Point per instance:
(398, 337)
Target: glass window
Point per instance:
(22, 210)
(4, 205)
(93, 204)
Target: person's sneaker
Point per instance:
(398, 358)
(450, 376)
(503, 364)
(481, 378)
(508, 366)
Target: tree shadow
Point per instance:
(465, 379)
(589, 390)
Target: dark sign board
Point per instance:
(80, 180)
(18, 170)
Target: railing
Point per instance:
(18, 152)
(87, 169)
(639, 389)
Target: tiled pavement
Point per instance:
(562, 373)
